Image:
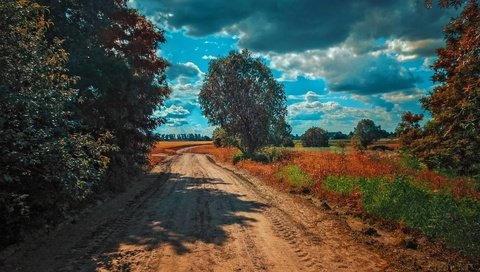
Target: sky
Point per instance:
(340, 61)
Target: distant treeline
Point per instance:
(338, 135)
(183, 137)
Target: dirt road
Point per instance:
(191, 214)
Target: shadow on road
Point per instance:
(185, 210)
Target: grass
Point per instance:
(295, 177)
(438, 215)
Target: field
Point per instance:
(389, 186)
(166, 148)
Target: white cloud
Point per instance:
(209, 57)
(404, 96)
(346, 71)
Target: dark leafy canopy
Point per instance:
(44, 163)
(221, 138)
(315, 137)
(240, 95)
(367, 132)
(79, 81)
(451, 138)
(113, 50)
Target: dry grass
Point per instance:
(164, 148)
(323, 164)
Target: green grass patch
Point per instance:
(340, 184)
(295, 176)
(456, 221)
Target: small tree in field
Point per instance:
(315, 137)
(366, 132)
(240, 95)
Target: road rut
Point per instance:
(190, 214)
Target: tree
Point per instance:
(46, 165)
(409, 130)
(315, 137)
(366, 132)
(121, 80)
(221, 138)
(451, 138)
(240, 95)
(280, 133)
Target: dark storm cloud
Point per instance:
(293, 26)
(347, 72)
(369, 75)
(188, 70)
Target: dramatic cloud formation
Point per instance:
(345, 71)
(340, 61)
(294, 26)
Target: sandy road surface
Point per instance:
(189, 214)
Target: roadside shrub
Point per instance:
(315, 137)
(221, 138)
(295, 177)
(265, 155)
(288, 142)
(238, 157)
(271, 154)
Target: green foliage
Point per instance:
(295, 176)
(221, 138)
(121, 78)
(340, 184)
(288, 142)
(365, 133)
(267, 154)
(46, 165)
(315, 137)
(273, 154)
(76, 105)
(457, 221)
(238, 157)
(241, 95)
(410, 160)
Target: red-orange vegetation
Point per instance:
(320, 164)
(221, 154)
(164, 148)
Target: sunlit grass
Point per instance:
(439, 215)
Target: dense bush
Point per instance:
(75, 105)
(221, 138)
(265, 155)
(315, 137)
(47, 166)
(365, 133)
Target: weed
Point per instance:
(295, 176)
(340, 184)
